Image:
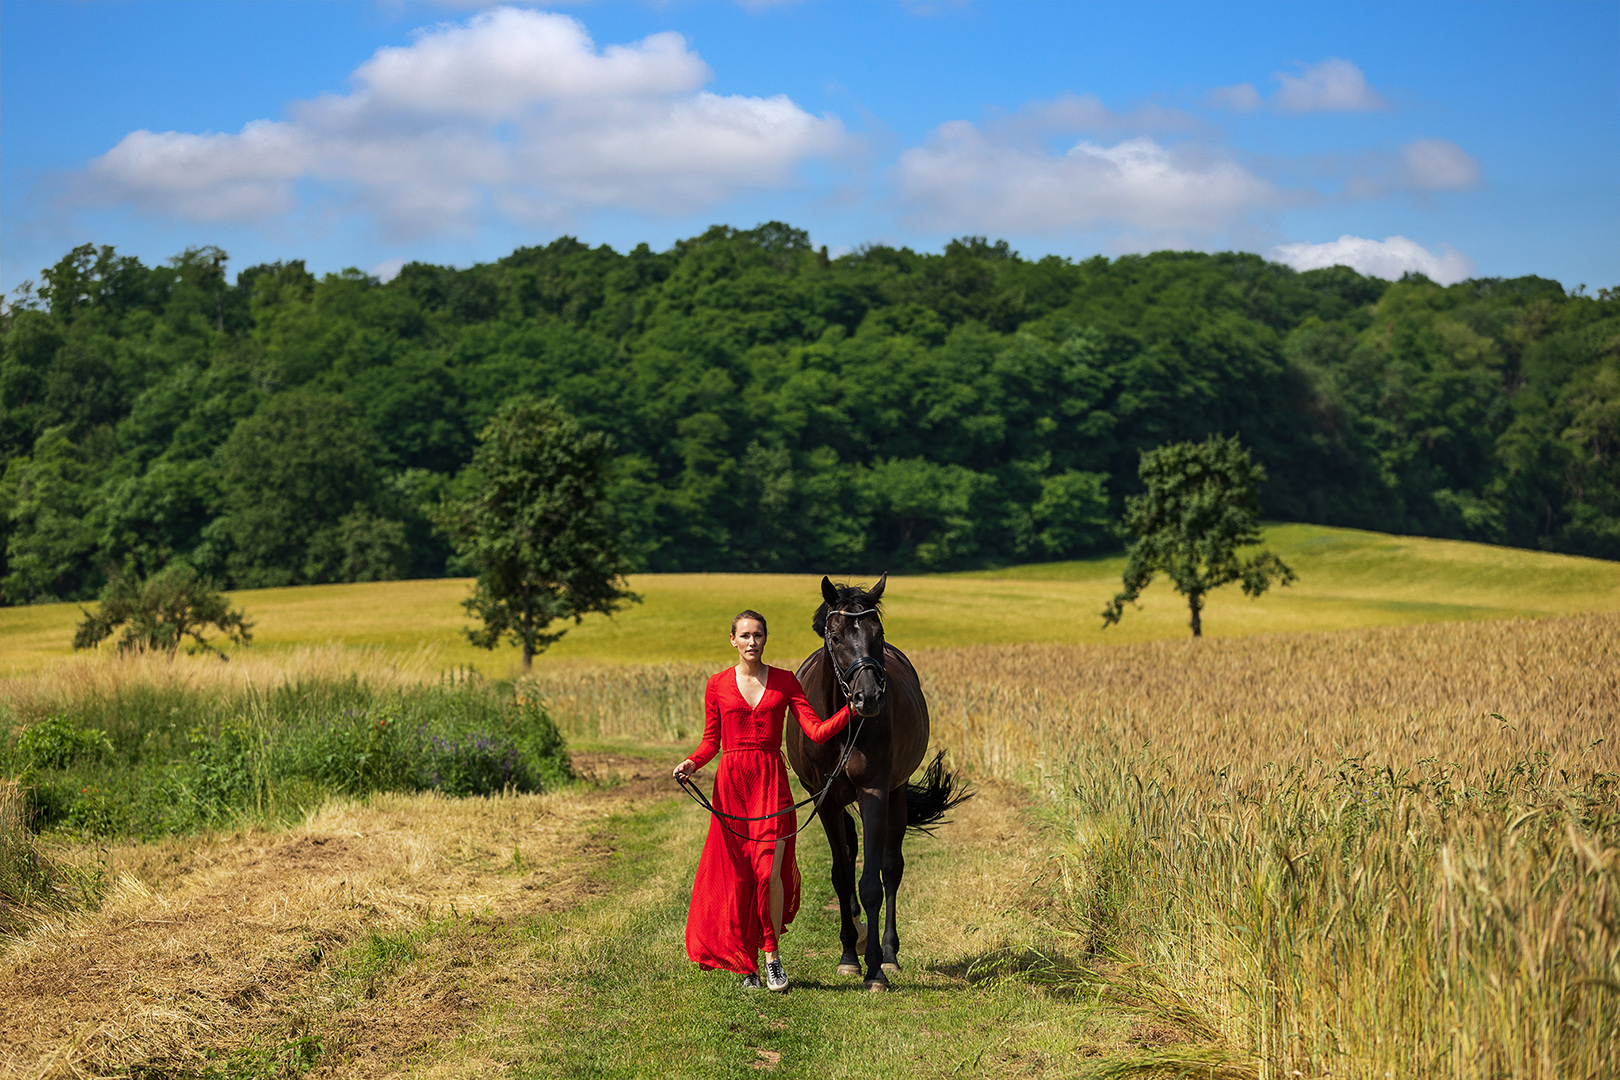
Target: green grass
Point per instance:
(148, 761)
(618, 998)
(1347, 578)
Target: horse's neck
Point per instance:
(829, 679)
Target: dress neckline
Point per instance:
(765, 686)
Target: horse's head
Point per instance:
(850, 625)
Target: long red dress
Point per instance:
(729, 921)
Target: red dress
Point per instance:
(729, 921)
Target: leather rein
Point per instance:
(843, 679)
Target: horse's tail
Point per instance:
(927, 803)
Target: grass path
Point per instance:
(617, 998)
(535, 936)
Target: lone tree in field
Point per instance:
(158, 614)
(1200, 507)
(536, 526)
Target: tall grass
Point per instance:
(30, 883)
(640, 703)
(1389, 852)
(146, 749)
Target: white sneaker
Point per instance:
(751, 981)
(775, 976)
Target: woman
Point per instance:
(747, 887)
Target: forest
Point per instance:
(775, 409)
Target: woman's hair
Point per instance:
(749, 613)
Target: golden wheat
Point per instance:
(105, 674)
(1388, 852)
(1398, 694)
(1374, 853)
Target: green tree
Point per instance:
(537, 527)
(291, 474)
(158, 614)
(1200, 507)
(46, 507)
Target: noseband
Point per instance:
(861, 664)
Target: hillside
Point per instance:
(1347, 579)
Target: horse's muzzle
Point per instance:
(867, 696)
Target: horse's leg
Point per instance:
(843, 881)
(875, 811)
(853, 836)
(894, 868)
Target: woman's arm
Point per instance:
(814, 726)
(710, 745)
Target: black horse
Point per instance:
(890, 733)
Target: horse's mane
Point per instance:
(847, 593)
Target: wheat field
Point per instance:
(1386, 852)
(1373, 851)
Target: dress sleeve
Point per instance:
(710, 745)
(814, 726)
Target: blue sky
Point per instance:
(1455, 139)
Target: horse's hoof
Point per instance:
(849, 969)
(894, 967)
(877, 986)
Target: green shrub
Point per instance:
(159, 613)
(356, 752)
(55, 743)
(147, 761)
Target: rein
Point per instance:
(843, 679)
(720, 816)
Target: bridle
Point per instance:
(843, 679)
(863, 663)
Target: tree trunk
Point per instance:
(528, 657)
(1195, 602)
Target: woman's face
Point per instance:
(748, 638)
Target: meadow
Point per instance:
(1369, 828)
(1348, 578)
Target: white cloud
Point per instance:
(965, 178)
(1334, 85)
(205, 177)
(387, 270)
(1074, 113)
(501, 63)
(1240, 98)
(1438, 165)
(515, 112)
(1422, 167)
(1388, 258)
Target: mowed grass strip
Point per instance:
(539, 936)
(351, 930)
(1348, 578)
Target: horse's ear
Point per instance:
(875, 593)
(829, 591)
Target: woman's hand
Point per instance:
(684, 769)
